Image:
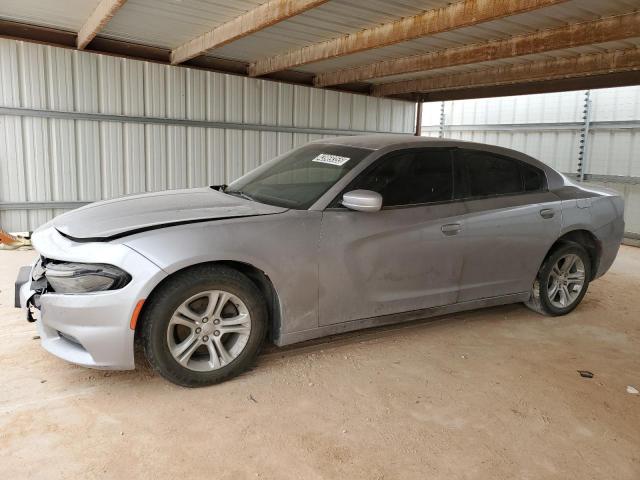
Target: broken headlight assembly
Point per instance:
(70, 277)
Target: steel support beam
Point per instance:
(618, 79)
(39, 205)
(418, 131)
(618, 179)
(550, 126)
(443, 120)
(569, 36)
(584, 136)
(549, 70)
(457, 15)
(101, 117)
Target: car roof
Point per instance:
(384, 140)
(391, 142)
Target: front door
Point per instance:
(405, 257)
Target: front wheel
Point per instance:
(204, 326)
(562, 281)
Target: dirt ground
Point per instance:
(486, 394)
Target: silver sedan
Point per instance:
(338, 235)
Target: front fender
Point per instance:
(283, 246)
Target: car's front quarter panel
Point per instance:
(284, 246)
(100, 321)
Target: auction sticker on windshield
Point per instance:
(331, 159)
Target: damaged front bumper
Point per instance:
(89, 329)
(24, 277)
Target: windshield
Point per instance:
(298, 178)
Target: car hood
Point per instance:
(111, 219)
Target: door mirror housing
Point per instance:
(362, 200)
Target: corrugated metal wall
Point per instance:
(547, 127)
(66, 159)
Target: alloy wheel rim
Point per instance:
(208, 330)
(566, 281)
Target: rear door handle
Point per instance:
(451, 228)
(547, 213)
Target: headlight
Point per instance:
(66, 277)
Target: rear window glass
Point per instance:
(489, 174)
(532, 177)
(486, 174)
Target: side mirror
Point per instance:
(362, 200)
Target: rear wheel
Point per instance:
(562, 281)
(204, 326)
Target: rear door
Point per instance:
(404, 257)
(511, 222)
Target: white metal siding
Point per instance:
(612, 151)
(631, 193)
(47, 159)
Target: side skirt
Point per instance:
(304, 335)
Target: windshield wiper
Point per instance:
(240, 193)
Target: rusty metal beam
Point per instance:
(261, 17)
(457, 15)
(620, 79)
(104, 12)
(603, 30)
(549, 70)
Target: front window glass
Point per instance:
(298, 178)
(411, 177)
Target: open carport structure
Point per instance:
(407, 49)
(104, 98)
(184, 84)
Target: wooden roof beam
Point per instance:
(104, 12)
(457, 15)
(603, 30)
(259, 18)
(550, 70)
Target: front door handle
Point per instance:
(547, 213)
(451, 228)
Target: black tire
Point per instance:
(162, 304)
(539, 300)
